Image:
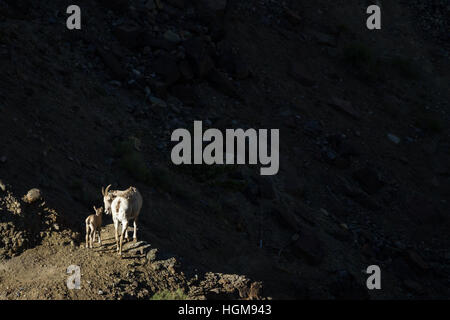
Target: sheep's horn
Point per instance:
(107, 189)
(103, 191)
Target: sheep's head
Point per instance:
(98, 211)
(107, 199)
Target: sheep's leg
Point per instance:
(126, 234)
(134, 231)
(116, 234)
(124, 228)
(92, 235)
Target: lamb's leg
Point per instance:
(124, 228)
(87, 235)
(134, 231)
(99, 237)
(116, 234)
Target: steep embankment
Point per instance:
(364, 146)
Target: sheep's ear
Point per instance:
(95, 208)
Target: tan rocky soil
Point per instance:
(364, 146)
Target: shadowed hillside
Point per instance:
(364, 148)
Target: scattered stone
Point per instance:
(2, 186)
(393, 138)
(151, 255)
(256, 291)
(171, 36)
(324, 39)
(32, 196)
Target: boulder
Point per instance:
(32, 195)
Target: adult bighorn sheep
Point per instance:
(124, 205)
(93, 225)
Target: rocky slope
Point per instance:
(364, 147)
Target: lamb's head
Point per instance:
(108, 198)
(98, 211)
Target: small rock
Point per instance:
(100, 292)
(324, 39)
(368, 179)
(32, 195)
(150, 5)
(256, 289)
(151, 255)
(2, 186)
(345, 107)
(393, 138)
(172, 36)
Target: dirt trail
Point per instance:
(40, 273)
